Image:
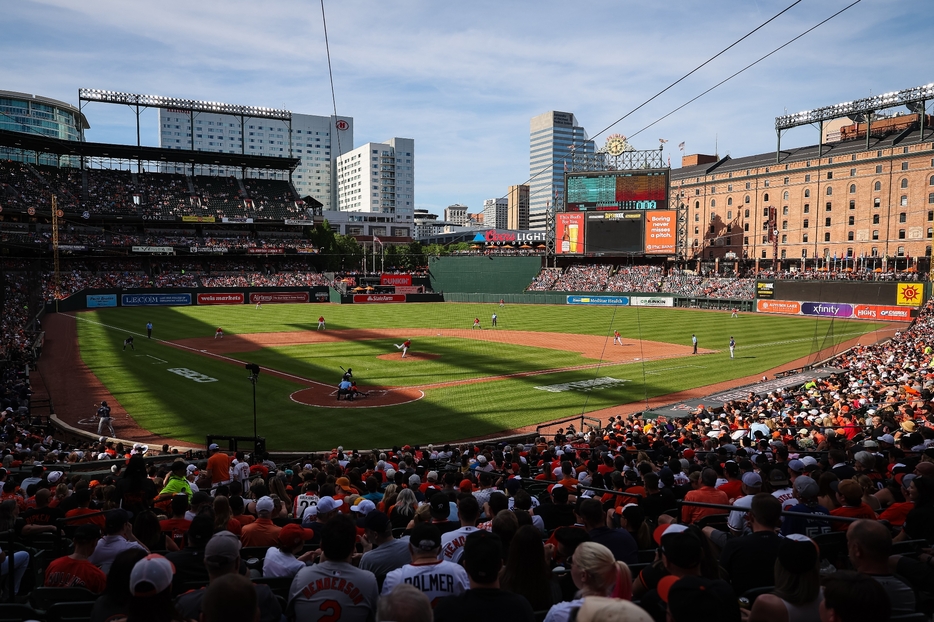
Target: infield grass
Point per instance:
(178, 406)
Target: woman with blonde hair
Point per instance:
(389, 498)
(223, 516)
(277, 487)
(595, 572)
(404, 509)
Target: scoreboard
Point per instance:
(617, 190)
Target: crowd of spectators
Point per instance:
(642, 279)
(838, 273)
(583, 278)
(602, 519)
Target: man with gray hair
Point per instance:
(405, 602)
(806, 491)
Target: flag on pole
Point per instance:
(377, 241)
(681, 145)
(663, 140)
(565, 166)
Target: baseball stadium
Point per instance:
(166, 304)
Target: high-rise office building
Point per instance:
(379, 178)
(456, 214)
(495, 213)
(34, 114)
(553, 139)
(317, 140)
(517, 208)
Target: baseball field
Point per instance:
(540, 363)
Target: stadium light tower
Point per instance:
(253, 368)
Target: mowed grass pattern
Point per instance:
(176, 406)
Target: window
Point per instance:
(765, 197)
(827, 222)
(807, 192)
(804, 224)
(713, 203)
(747, 185)
(849, 236)
(931, 180)
(904, 166)
(807, 177)
(746, 214)
(901, 251)
(930, 215)
(804, 238)
(903, 200)
(807, 208)
(875, 219)
(901, 234)
(876, 203)
(930, 232)
(745, 226)
(827, 237)
(712, 229)
(931, 198)
(829, 174)
(902, 217)
(852, 204)
(713, 190)
(875, 234)
(851, 220)
(729, 214)
(784, 224)
(784, 240)
(746, 240)
(696, 217)
(785, 210)
(729, 187)
(785, 181)
(785, 195)
(853, 171)
(874, 252)
(765, 212)
(878, 169)
(804, 253)
(852, 188)
(829, 191)
(904, 183)
(877, 186)
(765, 240)
(696, 230)
(696, 204)
(828, 207)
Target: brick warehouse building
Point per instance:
(870, 201)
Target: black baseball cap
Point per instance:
(483, 556)
(425, 537)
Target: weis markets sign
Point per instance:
(229, 298)
(596, 384)
(378, 298)
(395, 279)
(153, 300)
(278, 297)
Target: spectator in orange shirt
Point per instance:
(262, 532)
(734, 483)
(705, 494)
(83, 497)
(850, 496)
(567, 476)
(218, 467)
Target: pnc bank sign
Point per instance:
(501, 236)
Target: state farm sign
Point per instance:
(278, 297)
(228, 298)
(371, 298)
(395, 279)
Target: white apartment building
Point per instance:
(378, 178)
(317, 140)
(495, 213)
(427, 224)
(456, 214)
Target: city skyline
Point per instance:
(462, 81)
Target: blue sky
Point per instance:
(463, 79)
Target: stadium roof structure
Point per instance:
(43, 144)
(193, 105)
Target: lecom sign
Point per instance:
(378, 298)
(278, 297)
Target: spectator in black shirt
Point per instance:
(750, 560)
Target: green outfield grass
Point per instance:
(176, 406)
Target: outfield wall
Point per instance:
(489, 274)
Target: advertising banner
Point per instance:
(910, 294)
(236, 220)
(278, 297)
(569, 232)
(661, 232)
(306, 250)
(198, 219)
(785, 307)
(375, 298)
(598, 300)
(651, 301)
(395, 279)
(96, 301)
(765, 289)
(154, 300)
(221, 298)
(296, 222)
(72, 247)
(208, 250)
(409, 289)
(827, 309)
(152, 249)
(322, 297)
(265, 251)
(881, 312)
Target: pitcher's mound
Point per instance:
(411, 356)
(326, 397)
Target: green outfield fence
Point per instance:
(560, 298)
(483, 273)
